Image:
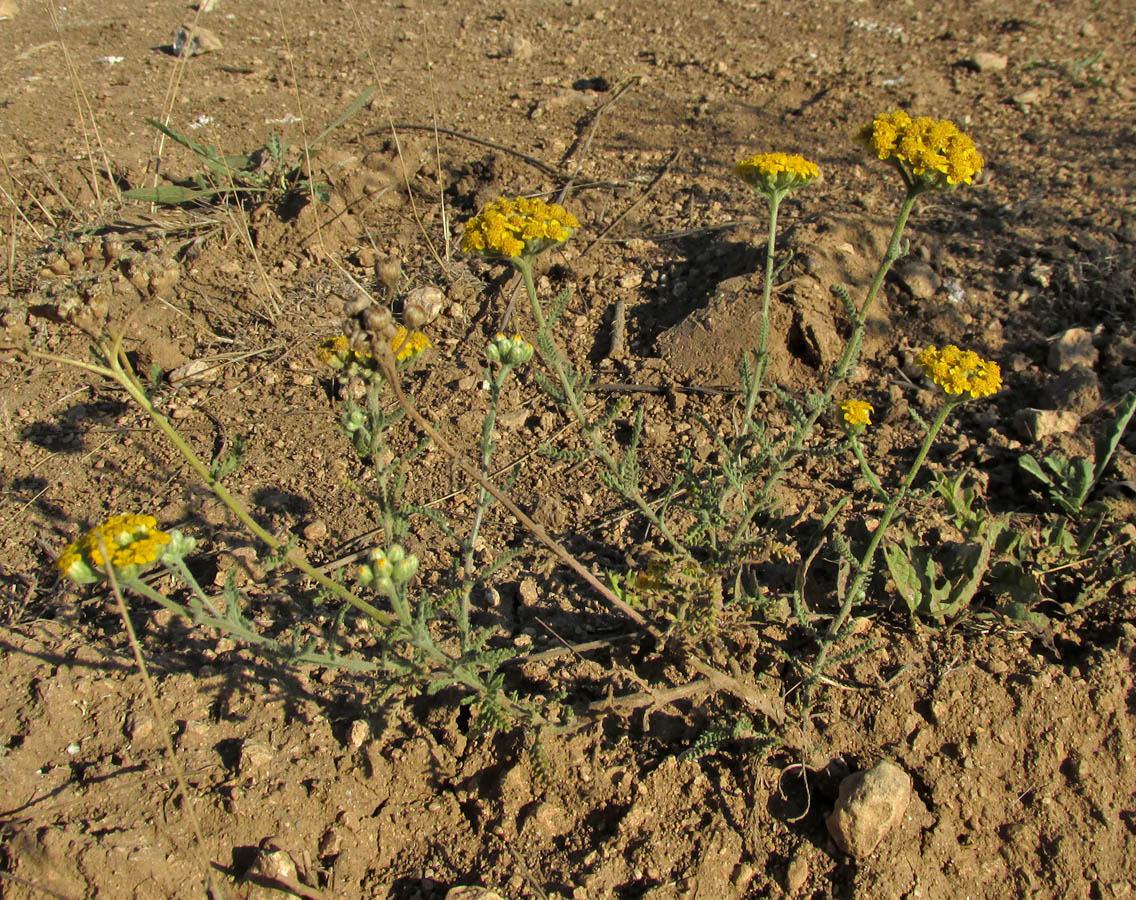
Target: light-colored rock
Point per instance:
(472, 892)
(797, 875)
(315, 531)
(519, 47)
(1073, 347)
(357, 734)
(1037, 424)
(193, 40)
(986, 61)
(194, 370)
(870, 804)
(8, 8)
(422, 306)
(255, 758)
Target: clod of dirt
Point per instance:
(918, 279)
(870, 804)
(985, 61)
(1073, 347)
(471, 892)
(1037, 424)
(1077, 391)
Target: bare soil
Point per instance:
(1019, 741)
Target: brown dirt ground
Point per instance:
(1020, 745)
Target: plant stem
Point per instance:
(843, 368)
(556, 362)
(120, 371)
(864, 569)
(495, 384)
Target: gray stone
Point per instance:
(871, 803)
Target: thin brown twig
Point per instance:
(635, 203)
(597, 115)
(449, 132)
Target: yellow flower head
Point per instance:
(776, 173)
(519, 228)
(857, 412)
(408, 345)
(961, 371)
(933, 150)
(338, 354)
(133, 542)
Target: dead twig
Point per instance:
(449, 132)
(635, 203)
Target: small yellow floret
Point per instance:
(518, 228)
(961, 371)
(857, 412)
(934, 149)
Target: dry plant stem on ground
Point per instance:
(772, 707)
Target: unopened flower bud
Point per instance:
(389, 271)
(395, 554)
(364, 575)
(404, 570)
(376, 318)
(520, 352)
(354, 420)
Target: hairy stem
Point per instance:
(864, 569)
(556, 363)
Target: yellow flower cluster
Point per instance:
(133, 542)
(935, 149)
(338, 354)
(961, 371)
(857, 412)
(518, 228)
(771, 173)
(408, 345)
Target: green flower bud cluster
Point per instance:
(387, 569)
(514, 351)
(353, 420)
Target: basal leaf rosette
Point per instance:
(934, 153)
(133, 542)
(521, 228)
(960, 372)
(776, 173)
